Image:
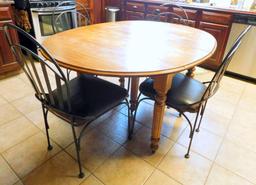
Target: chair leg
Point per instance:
(189, 122)
(201, 114)
(134, 117)
(77, 145)
(130, 124)
(45, 113)
(122, 81)
(129, 84)
(191, 137)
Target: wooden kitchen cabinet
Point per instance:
(7, 59)
(220, 32)
(134, 15)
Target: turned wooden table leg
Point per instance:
(134, 92)
(122, 81)
(161, 84)
(191, 72)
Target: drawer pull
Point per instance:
(135, 7)
(157, 10)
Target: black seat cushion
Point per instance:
(183, 95)
(90, 97)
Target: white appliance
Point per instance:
(244, 61)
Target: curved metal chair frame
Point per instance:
(81, 19)
(44, 88)
(211, 89)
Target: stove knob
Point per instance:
(39, 5)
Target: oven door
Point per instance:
(43, 21)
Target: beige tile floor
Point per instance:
(223, 152)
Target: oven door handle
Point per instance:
(44, 13)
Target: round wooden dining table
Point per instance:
(134, 49)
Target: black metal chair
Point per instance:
(78, 101)
(188, 94)
(78, 15)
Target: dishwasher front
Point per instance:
(243, 63)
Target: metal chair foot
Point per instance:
(130, 136)
(81, 175)
(187, 156)
(197, 130)
(50, 147)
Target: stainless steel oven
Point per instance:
(42, 19)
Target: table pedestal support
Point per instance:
(161, 84)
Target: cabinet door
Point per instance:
(134, 15)
(7, 60)
(221, 33)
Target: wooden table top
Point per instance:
(131, 48)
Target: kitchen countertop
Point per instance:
(6, 2)
(208, 6)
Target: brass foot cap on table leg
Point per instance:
(154, 148)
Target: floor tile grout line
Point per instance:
(36, 166)
(21, 113)
(146, 126)
(10, 101)
(236, 174)
(170, 176)
(143, 125)
(108, 157)
(20, 142)
(11, 168)
(145, 181)
(39, 166)
(94, 177)
(223, 139)
(157, 167)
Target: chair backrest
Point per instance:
(171, 16)
(78, 15)
(215, 82)
(43, 72)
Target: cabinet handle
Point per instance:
(135, 7)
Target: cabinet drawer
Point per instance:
(152, 17)
(134, 15)
(190, 23)
(192, 14)
(152, 9)
(215, 17)
(137, 7)
(5, 13)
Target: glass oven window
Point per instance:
(64, 22)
